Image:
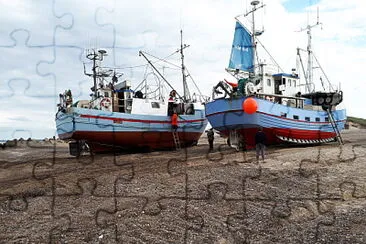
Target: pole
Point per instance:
(310, 61)
(187, 96)
(253, 36)
(95, 74)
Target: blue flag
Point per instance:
(242, 50)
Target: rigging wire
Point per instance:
(272, 58)
(194, 82)
(321, 68)
(141, 65)
(163, 59)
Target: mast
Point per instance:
(255, 8)
(310, 60)
(186, 94)
(309, 72)
(95, 56)
(254, 4)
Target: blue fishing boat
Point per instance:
(121, 118)
(287, 109)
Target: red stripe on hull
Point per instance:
(101, 141)
(249, 135)
(121, 120)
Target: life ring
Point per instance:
(106, 102)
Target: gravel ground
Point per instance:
(298, 194)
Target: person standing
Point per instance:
(174, 121)
(210, 137)
(260, 141)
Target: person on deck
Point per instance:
(210, 137)
(174, 121)
(260, 140)
(241, 86)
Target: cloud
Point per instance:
(154, 26)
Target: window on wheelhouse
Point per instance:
(307, 118)
(268, 82)
(296, 117)
(289, 82)
(155, 105)
(283, 81)
(106, 94)
(284, 115)
(326, 119)
(317, 119)
(294, 83)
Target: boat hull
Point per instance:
(106, 131)
(280, 123)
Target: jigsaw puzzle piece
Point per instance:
(85, 31)
(154, 178)
(349, 223)
(25, 66)
(294, 222)
(281, 185)
(82, 209)
(349, 184)
(329, 155)
(13, 121)
(234, 175)
(216, 212)
(19, 215)
(168, 226)
(130, 39)
(104, 169)
(59, 66)
(19, 15)
(23, 183)
(132, 225)
(116, 218)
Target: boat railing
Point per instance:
(200, 98)
(296, 102)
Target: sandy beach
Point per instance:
(314, 194)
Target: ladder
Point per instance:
(176, 140)
(334, 126)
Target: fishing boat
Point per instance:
(288, 109)
(118, 117)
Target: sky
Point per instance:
(43, 45)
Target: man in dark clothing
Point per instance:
(210, 137)
(260, 140)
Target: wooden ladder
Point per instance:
(334, 126)
(176, 140)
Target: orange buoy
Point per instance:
(250, 105)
